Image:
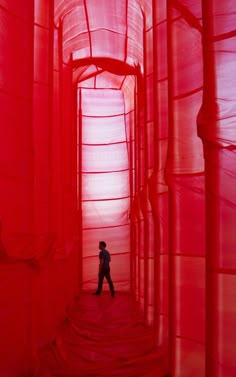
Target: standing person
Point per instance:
(104, 269)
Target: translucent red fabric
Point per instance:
(118, 124)
(103, 336)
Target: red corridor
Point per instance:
(118, 123)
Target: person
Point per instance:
(104, 269)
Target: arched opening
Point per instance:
(106, 108)
(103, 57)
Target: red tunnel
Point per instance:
(118, 123)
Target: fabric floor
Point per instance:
(103, 336)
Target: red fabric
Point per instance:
(118, 124)
(103, 336)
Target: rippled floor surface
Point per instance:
(103, 336)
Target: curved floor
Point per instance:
(103, 336)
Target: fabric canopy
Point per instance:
(118, 123)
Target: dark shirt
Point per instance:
(105, 255)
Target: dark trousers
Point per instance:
(105, 272)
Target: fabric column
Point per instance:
(16, 188)
(185, 176)
(216, 125)
(158, 190)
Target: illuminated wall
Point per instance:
(118, 123)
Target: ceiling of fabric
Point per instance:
(114, 30)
